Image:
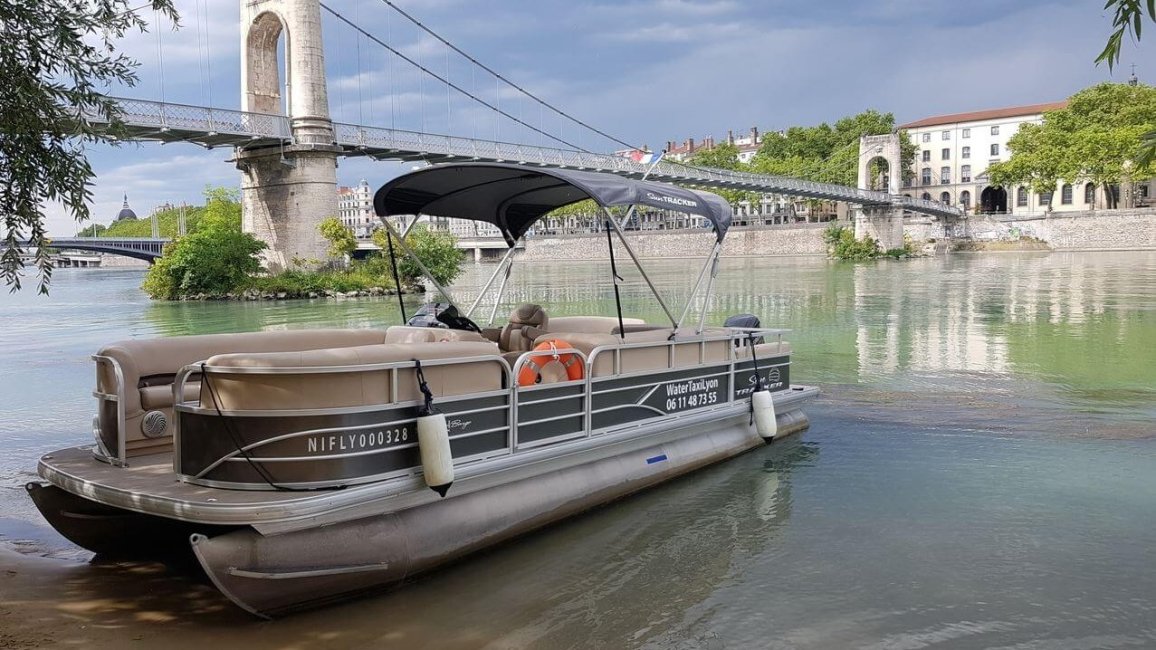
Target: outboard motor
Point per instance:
(427, 315)
(744, 320)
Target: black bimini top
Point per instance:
(513, 197)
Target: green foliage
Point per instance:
(92, 230)
(214, 261)
(56, 57)
(1129, 19)
(826, 153)
(221, 204)
(843, 245)
(361, 276)
(1094, 138)
(725, 156)
(437, 250)
(342, 242)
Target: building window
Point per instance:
(966, 133)
(927, 137)
(1021, 198)
(965, 174)
(926, 196)
(965, 199)
(965, 152)
(1066, 194)
(926, 155)
(945, 154)
(926, 176)
(945, 198)
(995, 149)
(1046, 198)
(947, 135)
(944, 175)
(995, 130)
(1090, 193)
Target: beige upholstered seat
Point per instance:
(148, 366)
(527, 323)
(242, 390)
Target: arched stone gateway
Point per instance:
(287, 191)
(993, 199)
(880, 169)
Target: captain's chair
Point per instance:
(527, 323)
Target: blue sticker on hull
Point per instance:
(655, 459)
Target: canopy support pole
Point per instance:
(698, 282)
(614, 277)
(424, 269)
(493, 276)
(630, 251)
(501, 292)
(709, 291)
(396, 276)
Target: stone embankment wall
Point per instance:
(1090, 230)
(1093, 230)
(801, 239)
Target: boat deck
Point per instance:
(150, 486)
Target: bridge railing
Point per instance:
(164, 115)
(386, 142)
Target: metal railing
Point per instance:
(166, 121)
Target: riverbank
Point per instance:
(1100, 230)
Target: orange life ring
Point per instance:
(531, 372)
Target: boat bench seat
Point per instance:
(148, 367)
(351, 387)
(410, 334)
(590, 324)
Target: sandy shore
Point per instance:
(52, 603)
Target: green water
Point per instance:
(980, 470)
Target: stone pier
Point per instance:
(287, 191)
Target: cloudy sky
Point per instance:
(644, 71)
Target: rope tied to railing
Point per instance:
(428, 407)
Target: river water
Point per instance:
(980, 470)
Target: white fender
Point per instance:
(433, 441)
(764, 408)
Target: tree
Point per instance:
(55, 55)
(437, 250)
(340, 237)
(1129, 19)
(215, 260)
(827, 153)
(1092, 139)
(725, 156)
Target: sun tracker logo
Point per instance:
(673, 200)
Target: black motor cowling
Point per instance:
(744, 320)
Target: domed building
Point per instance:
(125, 211)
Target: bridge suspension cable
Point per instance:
(449, 83)
(504, 80)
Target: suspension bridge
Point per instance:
(287, 147)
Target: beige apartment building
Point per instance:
(954, 152)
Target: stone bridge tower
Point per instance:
(885, 222)
(287, 191)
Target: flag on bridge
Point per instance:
(646, 157)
